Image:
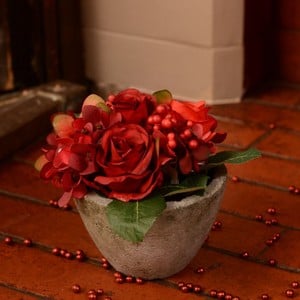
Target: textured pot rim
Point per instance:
(219, 179)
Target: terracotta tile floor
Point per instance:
(270, 121)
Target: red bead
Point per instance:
(235, 179)
(218, 224)
(92, 296)
(272, 125)
(119, 280)
(228, 297)
(107, 298)
(184, 289)
(290, 293)
(200, 270)
(91, 291)
(69, 255)
(292, 188)
(180, 284)
(269, 242)
(213, 293)
(8, 241)
(296, 191)
(27, 242)
(271, 211)
(276, 237)
(236, 298)
(99, 292)
(56, 251)
(274, 222)
(272, 262)
(295, 284)
(139, 280)
(221, 294)
(118, 275)
(259, 218)
(265, 297)
(197, 289)
(190, 285)
(245, 254)
(80, 257)
(105, 265)
(268, 222)
(76, 288)
(62, 252)
(129, 279)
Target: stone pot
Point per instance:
(171, 243)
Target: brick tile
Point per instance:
(279, 95)
(249, 200)
(289, 119)
(249, 112)
(239, 135)
(282, 142)
(268, 170)
(9, 294)
(239, 235)
(24, 179)
(53, 276)
(240, 277)
(284, 250)
(56, 227)
(255, 113)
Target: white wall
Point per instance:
(193, 47)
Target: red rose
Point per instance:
(134, 106)
(129, 163)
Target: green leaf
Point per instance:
(233, 157)
(104, 107)
(132, 220)
(163, 96)
(192, 184)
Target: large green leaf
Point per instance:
(233, 157)
(193, 183)
(163, 96)
(132, 220)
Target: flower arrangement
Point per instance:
(138, 149)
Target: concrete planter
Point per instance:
(171, 243)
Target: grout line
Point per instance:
(24, 291)
(251, 259)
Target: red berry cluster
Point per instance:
(273, 239)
